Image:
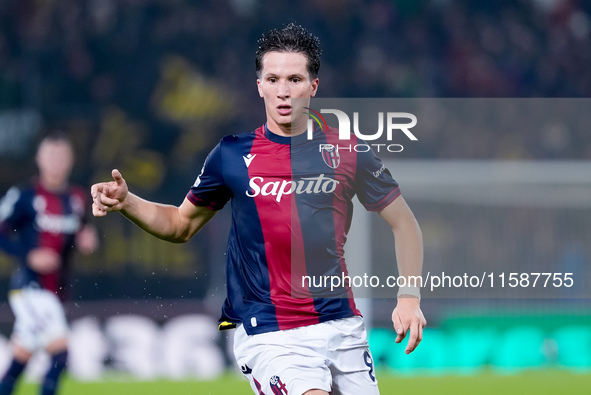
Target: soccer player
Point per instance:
(41, 223)
(291, 210)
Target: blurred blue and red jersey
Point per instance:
(32, 217)
(291, 211)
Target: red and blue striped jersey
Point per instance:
(32, 217)
(291, 210)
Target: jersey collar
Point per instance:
(296, 140)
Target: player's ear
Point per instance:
(314, 84)
(259, 87)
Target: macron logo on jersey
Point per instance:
(248, 159)
(307, 185)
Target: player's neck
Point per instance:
(285, 130)
(53, 185)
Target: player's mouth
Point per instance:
(284, 109)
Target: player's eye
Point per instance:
(295, 79)
(272, 79)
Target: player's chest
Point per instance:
(57, 214)
(273, 174)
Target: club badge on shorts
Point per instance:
(278, 386)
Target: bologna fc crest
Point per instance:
(278, 387)
(331, 156)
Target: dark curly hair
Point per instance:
(292, 38)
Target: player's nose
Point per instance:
(283, 91)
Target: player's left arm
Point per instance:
(407, 316)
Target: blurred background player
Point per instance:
(40, 224)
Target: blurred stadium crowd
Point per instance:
(170, 68)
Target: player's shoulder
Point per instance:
(11, 196)
(237, 143)
(231, 145)
(244, 137)
(22, 190)
(17, 198)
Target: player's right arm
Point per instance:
(167, 222)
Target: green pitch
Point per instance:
(539, 383)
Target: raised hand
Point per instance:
(109, 196)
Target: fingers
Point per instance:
(416, 333)
(399, 328)
(107, 196)
(420, 338)
(117, 177)
(415, 337)
(94, 190)
(97, 212)
(101, 204)
(105, 202)
(98, 190)
(408, 320)
(100, 199)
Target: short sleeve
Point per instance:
(374, 184)
(209, 189)
(11, 213)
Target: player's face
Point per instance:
(55, 160)
(284, 76)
